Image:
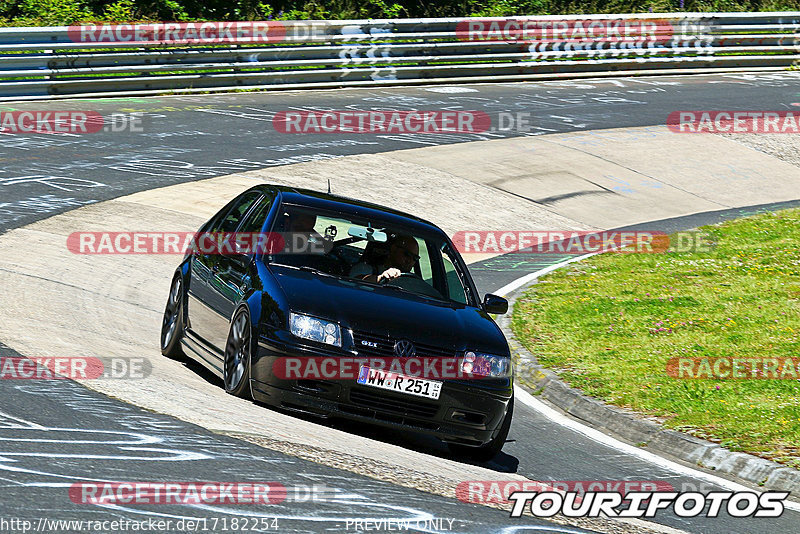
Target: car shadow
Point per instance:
(200, 370)
(417, 441)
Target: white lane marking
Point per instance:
(451, 89)
(510, 530)
(176, 455)
(19, 428)
(422, 521)
(519, 282)
(604, 439)
(143, 439)
(655, 527)
(16, 422)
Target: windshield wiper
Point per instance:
(307, 269)
(420, 295)
(392, 286)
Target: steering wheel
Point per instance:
(336, 254)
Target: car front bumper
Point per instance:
(467, 412)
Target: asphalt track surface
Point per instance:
(195, 137)
(44, 427)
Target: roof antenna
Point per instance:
(329, 186)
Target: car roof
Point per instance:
(317, 199)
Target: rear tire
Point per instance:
(172, 324)
(236, 371)
(486, 452)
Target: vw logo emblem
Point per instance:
(404, 349)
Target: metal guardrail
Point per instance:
(41, 63)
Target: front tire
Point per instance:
(172, 324)
(486, 452)
(236, 372)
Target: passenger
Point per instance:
(403, 256)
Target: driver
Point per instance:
(403, 255)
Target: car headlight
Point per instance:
(308, 327)
(478, 363)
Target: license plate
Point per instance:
(377, 378)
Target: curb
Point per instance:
(635, 428)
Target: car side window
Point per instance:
(425, 269)
(231, 221)
(258, 216)
(455, 288)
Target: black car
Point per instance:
(364, 281)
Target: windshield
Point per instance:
(370, 251)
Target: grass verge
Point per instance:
(610, 325)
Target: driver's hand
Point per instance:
(389, 274)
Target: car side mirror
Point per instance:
(495, 304)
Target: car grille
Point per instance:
(384, 346)
(390, 418)
(405, 407)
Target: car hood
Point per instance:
(387, 312)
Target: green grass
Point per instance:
(609, 325)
